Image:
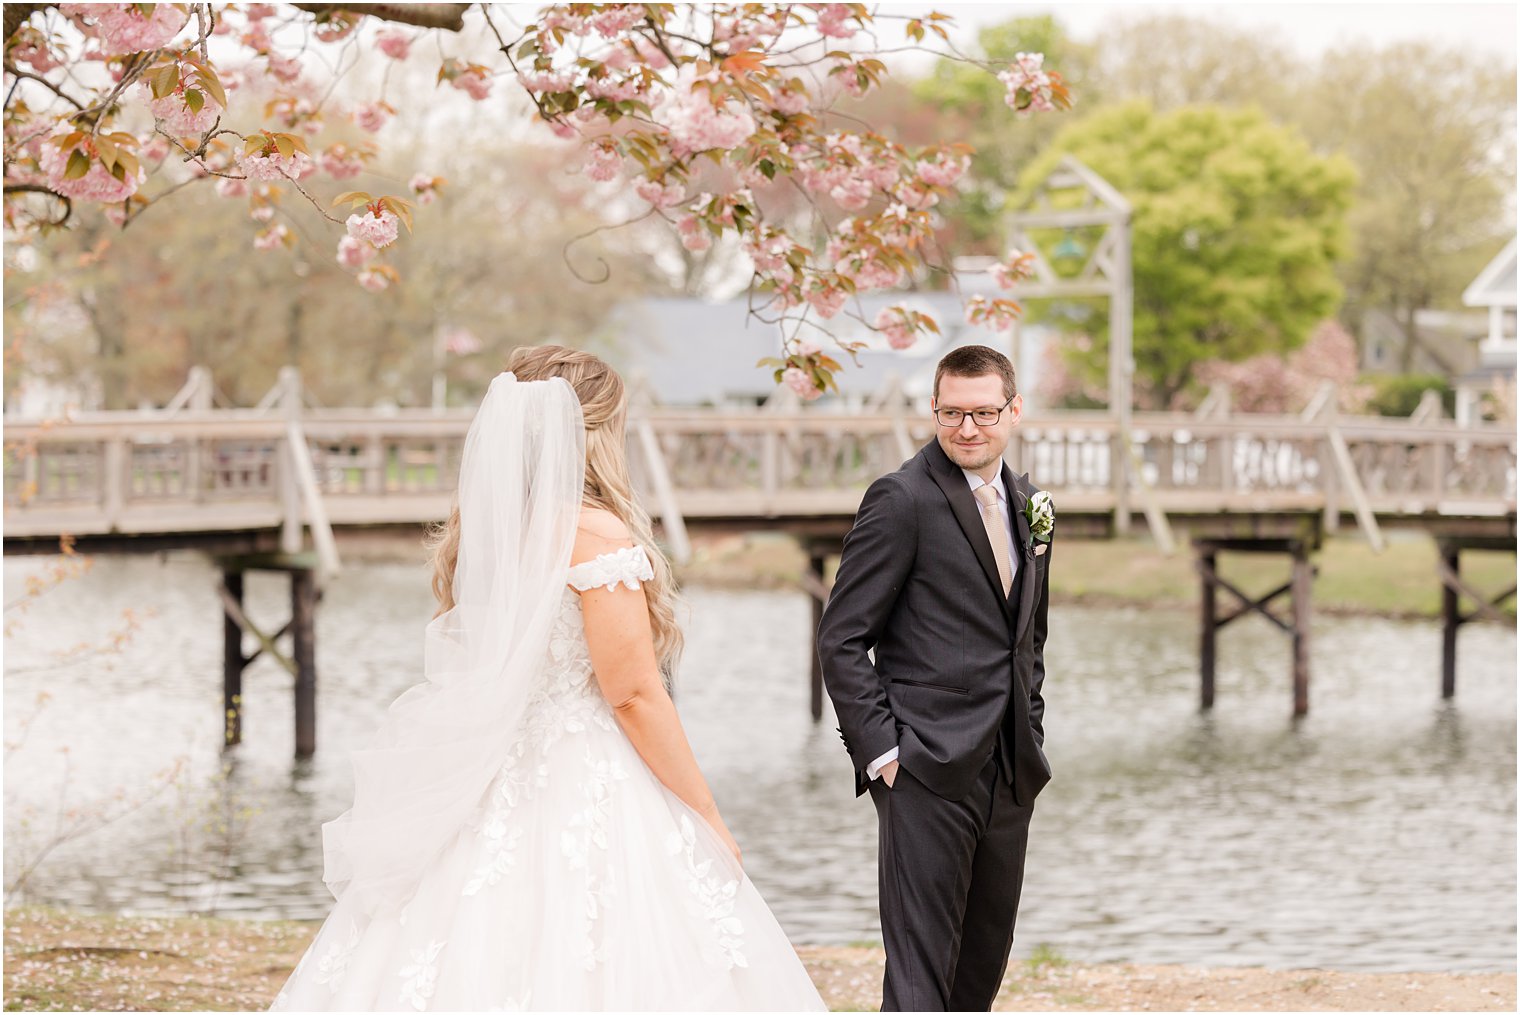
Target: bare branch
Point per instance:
(11, 68)
(37, 188)
(449, 17)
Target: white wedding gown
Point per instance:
(581, 882)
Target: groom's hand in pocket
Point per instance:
(889, 773)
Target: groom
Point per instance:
(945, 577)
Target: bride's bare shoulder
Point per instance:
(599, 531)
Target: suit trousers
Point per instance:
(951, 873)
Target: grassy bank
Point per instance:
(1401, 581)
(57, 961)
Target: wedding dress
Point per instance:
(576, 881)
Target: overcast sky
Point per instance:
(1311, 28)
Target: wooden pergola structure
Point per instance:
(1072, 196)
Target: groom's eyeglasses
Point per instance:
(985, 416)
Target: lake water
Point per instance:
(1378, 833)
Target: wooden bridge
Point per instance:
(247, 485)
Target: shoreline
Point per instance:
(58, 959)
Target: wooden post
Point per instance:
(816, 563)
(1451, 616)
(303, 605)
(232, 663)
(1303, 582)
(1208, 621)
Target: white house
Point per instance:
(1494, 290)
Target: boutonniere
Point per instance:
(1042, 516)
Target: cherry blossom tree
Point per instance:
(711, 118)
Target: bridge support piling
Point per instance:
(1453, 588)
(300, 663)
(232, 661)
(816, 564)
(1297, 588)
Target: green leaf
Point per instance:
(194, 100)
(79, 164)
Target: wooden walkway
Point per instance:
(249, 485)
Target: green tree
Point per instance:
(1433, 133)
(1237, 226)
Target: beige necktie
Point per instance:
(997, 533)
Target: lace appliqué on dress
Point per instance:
(628, 566)
(712, 896)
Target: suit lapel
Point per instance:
(952, 482)
(1025, 584)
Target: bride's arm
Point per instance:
(622, 656)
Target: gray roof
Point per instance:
(1495, 284)
(692, 352)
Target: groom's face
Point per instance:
(970, 446)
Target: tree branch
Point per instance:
(11, 68)
(37, 188)
(449, 17)
(17, 14)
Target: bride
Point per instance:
(530, 829)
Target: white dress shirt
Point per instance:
(873, 770)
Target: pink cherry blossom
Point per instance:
(276, 166)
(354, 253)
(231, 186)
(425, 187)
(614, 91)
(378, 230)
(893, 322)
(372, 116)
(272, 238)
(616, 19)
(563, 130)
(174, 115)
(394, 43)
(852, 194)
(695, 125)
(1013, 269)
(789, 101)
(661, 195)
(284, 68)
(1028, 76)
(258, 12)
(341, 162)
(827, 300)
(29, 46)
(473, 83)
(543, 81)
(943, 171)
(807, 347)
(156, 149)
(372, 280)
(694, 236)
(831, 21)
(604, 163)
(96, 185)
(801, 381)
(123, 28)
(999, 315)
(261, 212)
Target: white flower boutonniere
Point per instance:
(1041, 513)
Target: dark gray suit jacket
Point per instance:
(955, 661)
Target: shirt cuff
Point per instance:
(873, 770)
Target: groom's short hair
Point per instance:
(976, 361)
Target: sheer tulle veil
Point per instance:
(442, 741)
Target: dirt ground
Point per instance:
(58, 961)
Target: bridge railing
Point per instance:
(105, 472)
